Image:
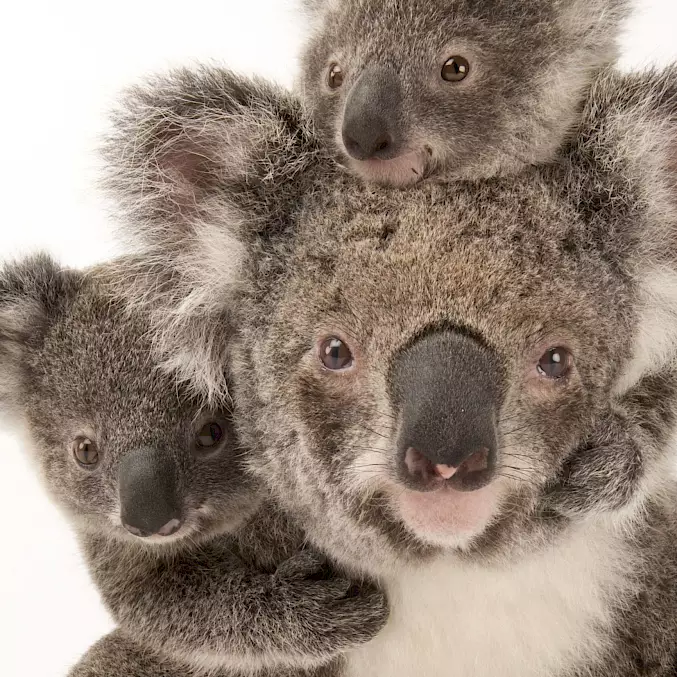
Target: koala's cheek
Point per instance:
(447, 516)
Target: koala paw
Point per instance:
(335, 613)
(305, 564)
(603, 473)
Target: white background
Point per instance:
(61, 63)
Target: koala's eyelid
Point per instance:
(88, 431)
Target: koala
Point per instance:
(466, 389)
(191, 556)
(402, 89)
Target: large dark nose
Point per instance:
(371, 117)
(447, 389)
(149, 496)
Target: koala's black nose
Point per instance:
(371, 116)
(149, 498)
(447, 389)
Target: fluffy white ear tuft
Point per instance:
(32, 292)
(201, 164)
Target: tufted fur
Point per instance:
(531, 65)
(232, 588)
(581, 521)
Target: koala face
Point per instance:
(434, 368)
(121, 447)
(403, 88)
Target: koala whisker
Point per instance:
(518, 479)
(373, 432)
(510, 467)
(522, 429)
(371, 449)
(384, 413)
(365, 466)
(509, 454)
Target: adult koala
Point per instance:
(465, 390)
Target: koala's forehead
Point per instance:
(504, 258)
(387, 30)
(95, 362)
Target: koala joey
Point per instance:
(465, 389)
(466, 88)
(188, 553)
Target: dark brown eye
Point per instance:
(210, 435)
(335, 354)
(86, 452)
(335, 77)
(455, 69)
(556, 363)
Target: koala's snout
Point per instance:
(371, 115)
(150, 503)
(447, 388)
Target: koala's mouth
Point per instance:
(447, 505)
(403, 170)
(447, 515)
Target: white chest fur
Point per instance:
(528, 619)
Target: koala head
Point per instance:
(416, 370)
(121, 448)
(469, 88)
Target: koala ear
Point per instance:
(204, 165)
(628, 138)
(595, 20)
(317, 8)
(204, 158)
(32, 292)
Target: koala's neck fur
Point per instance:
(528, 618)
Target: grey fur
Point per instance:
(118, 654)
(531, 65)
(580, 253)
(233, 588)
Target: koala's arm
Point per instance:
(604, 474)
(118, 655)
(207, 606)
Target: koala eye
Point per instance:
(455, 69)
(86, 452)
(210, 435)
(335, 354)
(555, 364)
(335, 77)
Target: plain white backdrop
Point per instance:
(61, 64)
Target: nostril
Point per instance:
(170, 528)
(363, 144)
(474, 472)
(424, 470)
(381, 144)
(353, 147)
(167, 529)
(136, 531)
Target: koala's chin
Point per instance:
(448, 517)
(399, 171)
